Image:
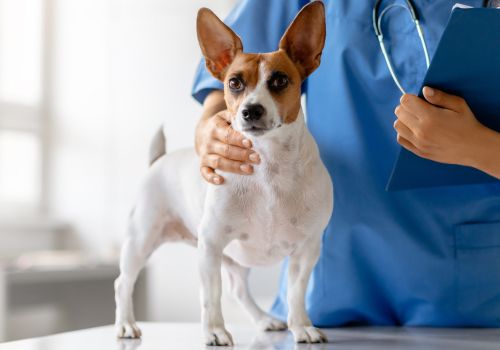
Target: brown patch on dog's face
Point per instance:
(274, 72)
(284, 84)
(244, 70)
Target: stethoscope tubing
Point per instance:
(377, 28)
(411, 7)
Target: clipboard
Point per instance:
(467, 64)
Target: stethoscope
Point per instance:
(377, 27)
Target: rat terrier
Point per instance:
(281, 210)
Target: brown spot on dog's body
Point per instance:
(244, 236)
(273, 169)
(274, 250)
(228, 229)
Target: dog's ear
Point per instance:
(218, 43)
(304, 39)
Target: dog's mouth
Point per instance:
(255, 130)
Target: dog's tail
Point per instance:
(158, 146)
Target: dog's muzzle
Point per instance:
(253, 119)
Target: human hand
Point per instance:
(220, 147)
(441, 128)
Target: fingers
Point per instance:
(412, 148)
(444, 100)
(215, 161)
(226, 134)
(223, 148)
(404, 131)
(234, 153)
(415, 105)
(406, 117)
(225, 115)
(210, 175)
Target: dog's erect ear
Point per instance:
(218, 43)
(304, 39)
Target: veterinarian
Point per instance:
(427, 257)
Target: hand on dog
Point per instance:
(442, 129)
(220, 147)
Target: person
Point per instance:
(426, 257)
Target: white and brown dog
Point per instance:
(281, 210)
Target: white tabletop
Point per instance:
(176, 336)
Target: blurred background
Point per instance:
(84, 84)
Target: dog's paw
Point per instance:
(308, 335)
(125, 329)
(268, 323)
(218, 336)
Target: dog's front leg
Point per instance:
(210, 261)
(300, 266)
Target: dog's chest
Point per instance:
(269, 214)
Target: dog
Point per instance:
(281, 210)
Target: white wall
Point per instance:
(120, 68)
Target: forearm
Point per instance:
(213, 104)
(487, 157)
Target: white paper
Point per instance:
(461, 6)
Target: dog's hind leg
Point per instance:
(135, 252)
(238, 284)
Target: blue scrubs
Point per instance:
(427, 257)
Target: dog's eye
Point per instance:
(278, 82)
(235, 84)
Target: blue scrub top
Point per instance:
(426, 257)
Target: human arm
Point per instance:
(443, 128)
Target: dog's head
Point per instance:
(262, 91)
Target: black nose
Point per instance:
(253, 112)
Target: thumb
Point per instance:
(226, 115)
(444, 100)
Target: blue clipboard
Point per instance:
(467, 64)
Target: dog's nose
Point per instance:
(253, 112)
